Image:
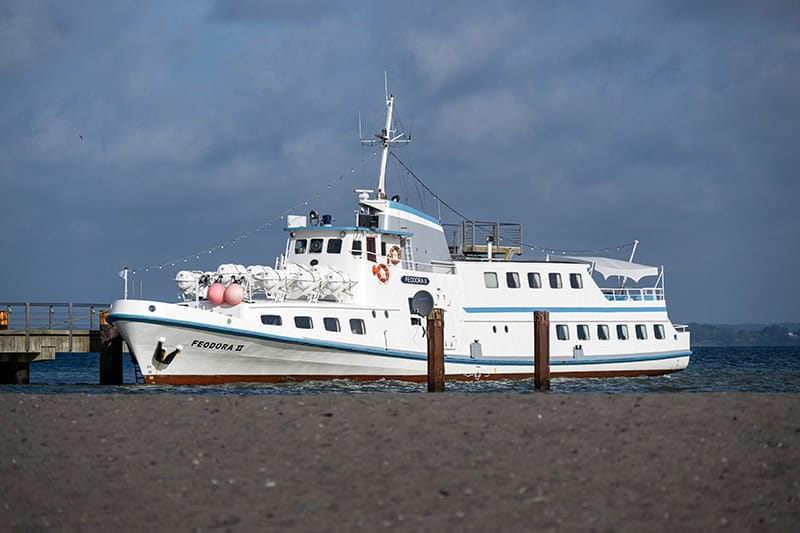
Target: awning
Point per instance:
(611, 267)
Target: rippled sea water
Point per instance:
(712, 369)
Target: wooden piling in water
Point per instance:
(3, 319)
(110, 356)
(435, 334)
(541, 350)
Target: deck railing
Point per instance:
(635, 294)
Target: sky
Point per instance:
(147, 134)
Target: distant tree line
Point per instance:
(745, 335)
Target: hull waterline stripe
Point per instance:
(525, 360)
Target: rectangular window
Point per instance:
(575, 281)
(372, 249)
(583, 332)
(357, 326)
(512, 280)
(622, 332)
(383, 249)
(534, 280)
(331, 324)
(490, 280)
(356, 249)
(641, 332)
(303, 322)
(334, 246)
(316, 246)
(271, 320)
(300, 246)
(562, 332)
(658, 329)
(602, 332)
(555, 280)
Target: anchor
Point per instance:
(161, 355)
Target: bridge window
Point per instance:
(575, 281)
(271, 320)
(534, 280)
(334, 246)
(316, 246)
(372, 249)
(622, 332)
(602, 332)
(356, 249)
(562, 332)
(303, 322)
(641, 332)
(331, 324)
(555, 280)
(658, 330)
(300, 246)
(490, 280)
(357, 326)
(512, 280)
(583, 332)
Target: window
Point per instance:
(641, 332)
(534, 280)
(658, 329)
(356, 249)
(300, 246)
(490, 280)
(512, 280)
(622, 332)
(555, 280)
(334, 246)
(371, 250)
(331, 324)
(316, 246)
(383, 248)
(357, 326)
(583, 332)
(562, 332)
(271, 320)
(575, 281)
(303, 322)
(602, 332)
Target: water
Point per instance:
(712, 369)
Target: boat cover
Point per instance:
(611, 267)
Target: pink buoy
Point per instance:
(234, 294)
(216, 293)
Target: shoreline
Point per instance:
(406, 461)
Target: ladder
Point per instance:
(408, 254)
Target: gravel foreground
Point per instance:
(421, 462)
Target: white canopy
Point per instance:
(611, 267)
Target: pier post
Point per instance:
(110, 356)
(3, 319)
(435, 334)
(541, 350)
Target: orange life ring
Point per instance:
(382, 271)
(394, 255)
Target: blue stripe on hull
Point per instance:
(525, 360)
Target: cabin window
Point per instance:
(383, 248)
(622, 332)
(658, 330)
(583, 332)
(356, 249)
(316, 246)
(334, 246)
(300, 246)
(331, 324)
(490, 280)
(534, 280)
(357, 326)
(271, 320)
(512, 280)
(641, 332)
(562, 332)
(303, 322)
(575, 281)
(555, 280)
(372, 249)
(602, 332)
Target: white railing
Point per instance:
(634, 294)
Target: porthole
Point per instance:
(152, 308)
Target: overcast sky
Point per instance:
(144, 133)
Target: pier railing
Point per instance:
(50, 319)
